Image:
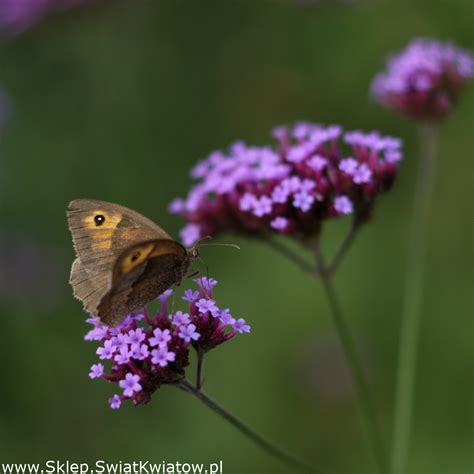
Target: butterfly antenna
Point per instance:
(198, 242)
(221, 245)
(209, 237)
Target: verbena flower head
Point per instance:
(144, 352)
(424, 80)
(311, 174)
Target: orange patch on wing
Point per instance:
(101, 236)
(166, 248)
(134, 258)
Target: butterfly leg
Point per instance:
(192, 274)
(205, 264)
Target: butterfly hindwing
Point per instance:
(141, 274)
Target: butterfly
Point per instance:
(123, 260)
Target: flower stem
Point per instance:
(412, 302)
(295, 258)
(307, 267)
(245, 429)
(200, 361)
(325, 272)
(367, 405)
(345, 246)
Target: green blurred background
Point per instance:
(116, 101)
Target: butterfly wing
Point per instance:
(88, 286)
(140, 274)
(101, 231)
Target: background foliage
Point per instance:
(116, 101)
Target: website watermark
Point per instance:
(54, 466)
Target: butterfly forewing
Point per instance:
(101, 231)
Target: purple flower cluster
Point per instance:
(19, 15)
(314, 172)
(425, 79)
(145, 352)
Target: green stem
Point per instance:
(268, 446)
(289, 254)
(343, 249)
(361, 385)
(200, 361)
(412, 302)
(325, 272)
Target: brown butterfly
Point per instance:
(124, 260)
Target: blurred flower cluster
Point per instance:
(19, 15)
(425, 79)
(314, 172)
(145, 351)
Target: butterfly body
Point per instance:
(124, 260)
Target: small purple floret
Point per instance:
(190, 296)
(206, 283)
(135, 337)
(130, 384)
(226, 318)
(107, 351)
(160, 337)
(362, 174)
(180, 318)
(140, 352)
(115, 402)
(188, 333)
(241, 326)
(303, 200)
(123, 356)
(343, 205)
(97, 370)
(205, 305)
(190, 234)
(165, 295)
(279, 223)
(262, 206)
(162, 356)
(348, 165)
